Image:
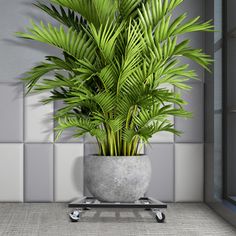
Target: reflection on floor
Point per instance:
(49, 219)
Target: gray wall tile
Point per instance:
(192, 128)
(162, 181)
(90, 148)
(17, 55)
(11, 115)
(164, 137)
(89, 139)
(39, 172)
(193, 8)
(69, 176)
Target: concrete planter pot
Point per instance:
(117, 179)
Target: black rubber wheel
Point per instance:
(160, 219)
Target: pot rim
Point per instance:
(125, 157)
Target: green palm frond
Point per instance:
(95, 12)
(132, 54)
(105, 38)
(78, 45)
(119, 67)
(128, 8)
(32, 76)
(69, 18)
(154, 10)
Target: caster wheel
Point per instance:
(160, 217)
(74, 216)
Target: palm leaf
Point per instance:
(78, 45)
(69, 18)
(119, 59)
(95, 12)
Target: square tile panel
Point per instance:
(192, 128)
(164, 136)
(11, 115)
(11, 172)
(162, 180)
(69, 180)
(194, 9)
(18, 55)
(38, 119)
(189, 172)
(39, 172)
(89, 138)
(90, 148)
(67, 135)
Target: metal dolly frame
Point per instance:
(147, 203)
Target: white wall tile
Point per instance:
(189, 172)
(38, 119)
(68, 171)
(11, 172)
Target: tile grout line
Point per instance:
(174, 161)
(24, 148)
(174, 172)
(83, 165)
(53, 156)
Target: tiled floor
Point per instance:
(49, 219)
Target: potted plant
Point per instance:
(118, 56)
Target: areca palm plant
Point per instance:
(120, 56)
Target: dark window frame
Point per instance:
(223, 207)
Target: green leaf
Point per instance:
(78, 45)
(95, 12)
(69, 18)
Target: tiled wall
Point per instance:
(34, 168)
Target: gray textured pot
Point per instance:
(117, 179)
